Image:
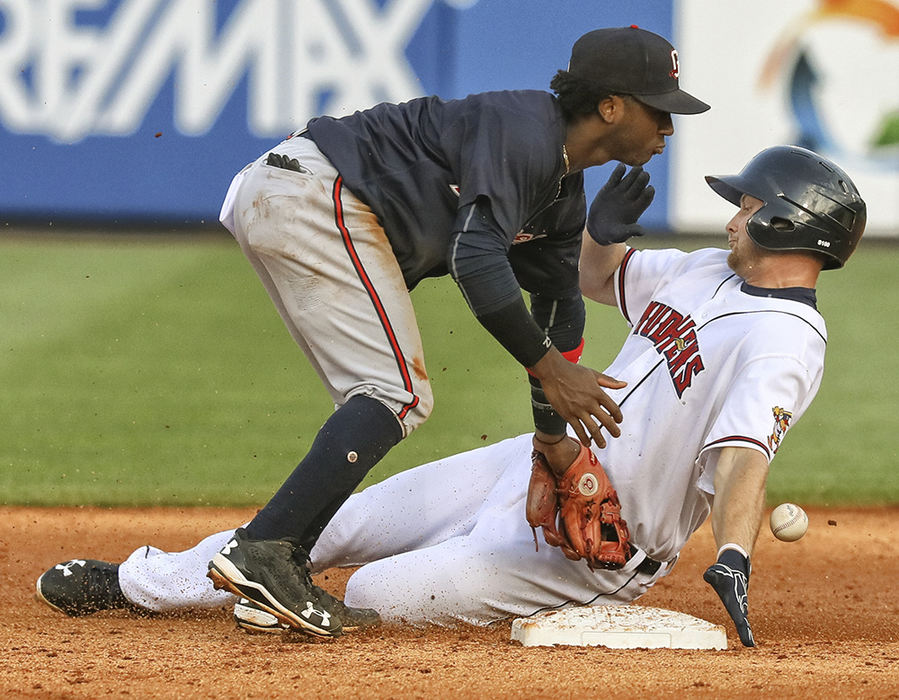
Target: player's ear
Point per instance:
(609, 108)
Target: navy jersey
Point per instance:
(417, 164)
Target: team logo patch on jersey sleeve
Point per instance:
(782, 419)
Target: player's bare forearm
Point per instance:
(576, 394)
(740, 478)
(597, 269)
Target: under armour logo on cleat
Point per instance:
(228, 547)
(311, 609)
(67, 567)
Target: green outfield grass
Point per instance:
(154, 370)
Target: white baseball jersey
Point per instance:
(709, 363)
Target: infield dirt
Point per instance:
(825, 612)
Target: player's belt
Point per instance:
(648, 566)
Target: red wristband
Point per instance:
(575, 354)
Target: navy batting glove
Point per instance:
(617, 206)
(729, 576)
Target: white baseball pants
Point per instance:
(443, 543)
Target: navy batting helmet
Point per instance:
(810, 203)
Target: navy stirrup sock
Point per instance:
(349, 444)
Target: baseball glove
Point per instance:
(578, 511)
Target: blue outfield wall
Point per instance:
(140, 111)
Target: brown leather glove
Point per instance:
(578, 511)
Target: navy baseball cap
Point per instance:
(633, 61)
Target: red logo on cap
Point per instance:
(675, 66)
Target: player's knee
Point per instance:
(411, 409)
(386, 586)
(418, 414)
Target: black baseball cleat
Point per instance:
(253, 619)
(351, 618)
(81, 587)
(273, 574)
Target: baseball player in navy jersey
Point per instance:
(347, 215)
(725, 354)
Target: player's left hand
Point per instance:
(732, 586)
(617, 206)
(578, 510)
(558, 452)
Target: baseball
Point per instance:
(788, 522)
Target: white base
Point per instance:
(618, 627)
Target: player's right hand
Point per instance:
(732, 586)
(576, 393)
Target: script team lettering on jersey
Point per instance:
(674, 337)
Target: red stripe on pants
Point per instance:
(375, 299)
